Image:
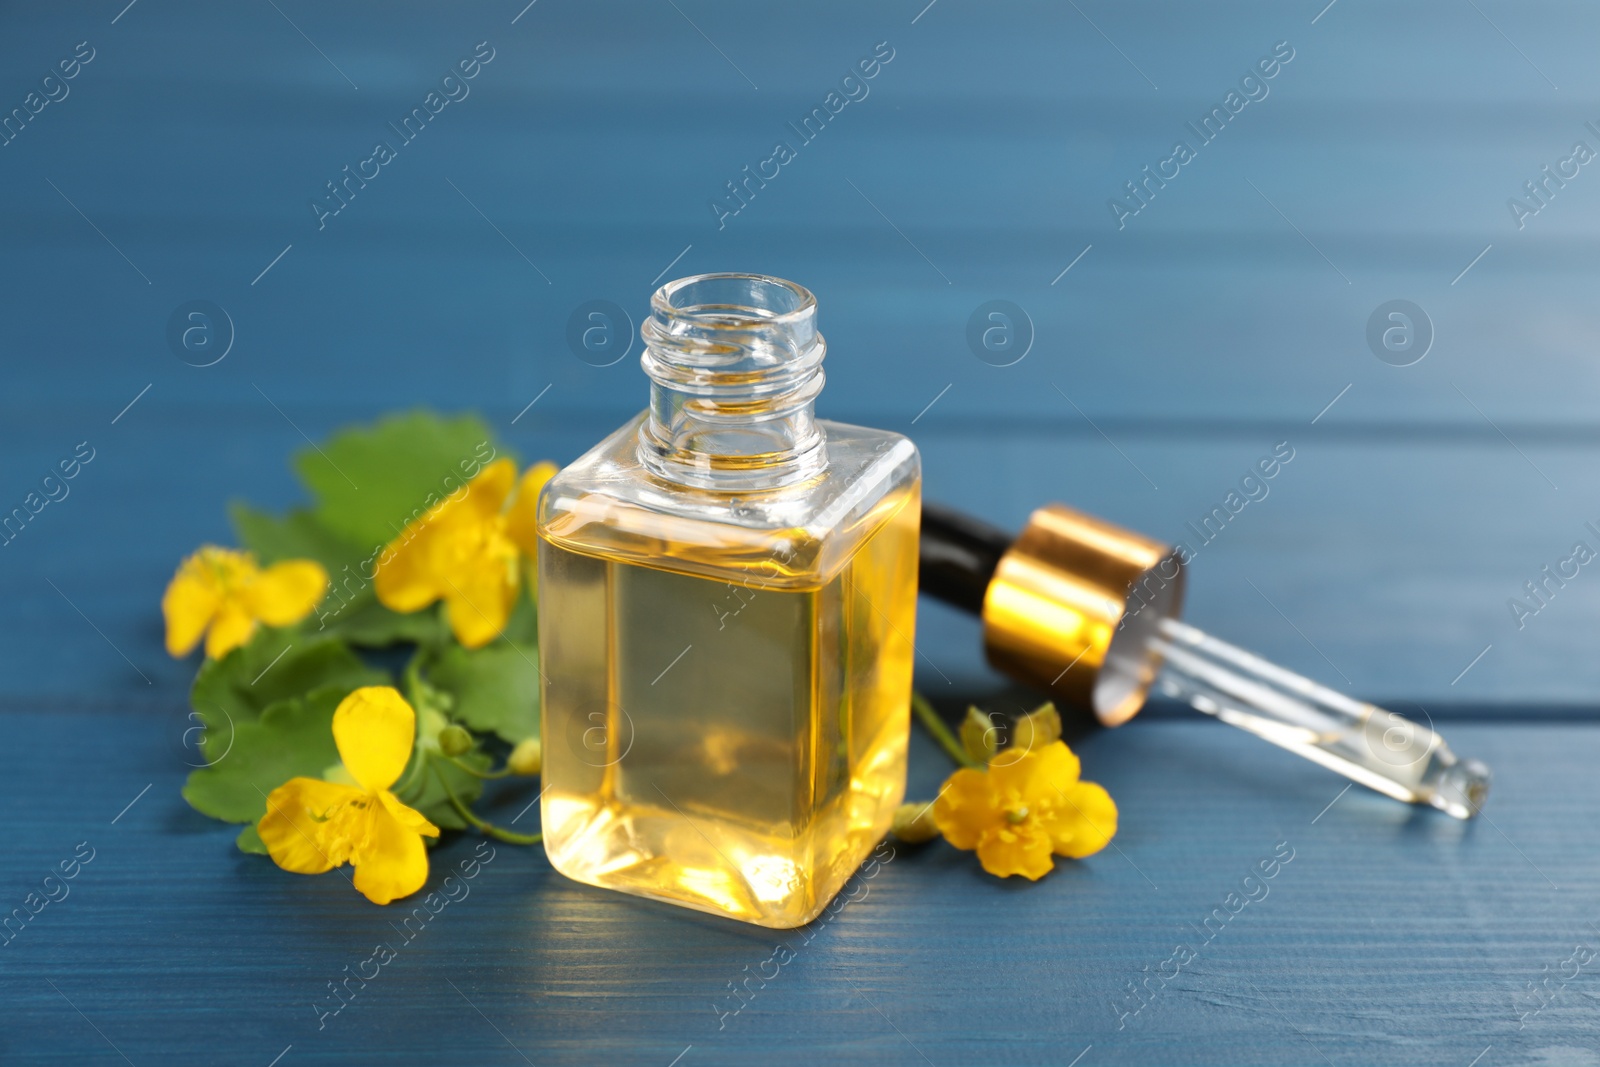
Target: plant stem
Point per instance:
(508, 836)
(503, 772)
(411, 678)
(411, 685)
(940, 732)
(409, 783)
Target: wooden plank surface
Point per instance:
(1229, 314)
(1391, 936)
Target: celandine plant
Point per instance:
(417, 548)
(417, 540)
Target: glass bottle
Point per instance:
(727, 593)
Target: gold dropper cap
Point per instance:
(1074, 607)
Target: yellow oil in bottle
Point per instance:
(725, 730)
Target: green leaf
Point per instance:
(276, 665)
(369, 482)
(298, 535)
(523, 625)
(430, 799)
(365, 622)
(250, 841)
(292, 738)
(495, 688)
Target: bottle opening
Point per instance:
(735, 362)
(730, 299)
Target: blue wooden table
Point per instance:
(1181, 315)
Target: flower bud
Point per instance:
(913, 822)
(454, 740)
(1038, 728)
(527, 758)
(979, 736)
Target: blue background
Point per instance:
(1228, 315)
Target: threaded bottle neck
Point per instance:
(735, 364)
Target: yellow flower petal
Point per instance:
(286, 592)
(1055, 766)
(409, 817)
(486, 493)
(480, 600)
(1021, 850)
(1030, 772)
(405, 580)
(231, 628)
(965, 808)
(462, 551)
(374, 729)
(295, 815)
(189, 605)
(393, 862)
(1085, 822)
(522, 518)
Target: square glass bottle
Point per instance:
(727, 599)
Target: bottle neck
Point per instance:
(735, 364)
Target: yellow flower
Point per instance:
(223, 594)
(465, 551)
(312, 826)
(1022, 809)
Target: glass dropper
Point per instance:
(1089, 611)
(1367, 744)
